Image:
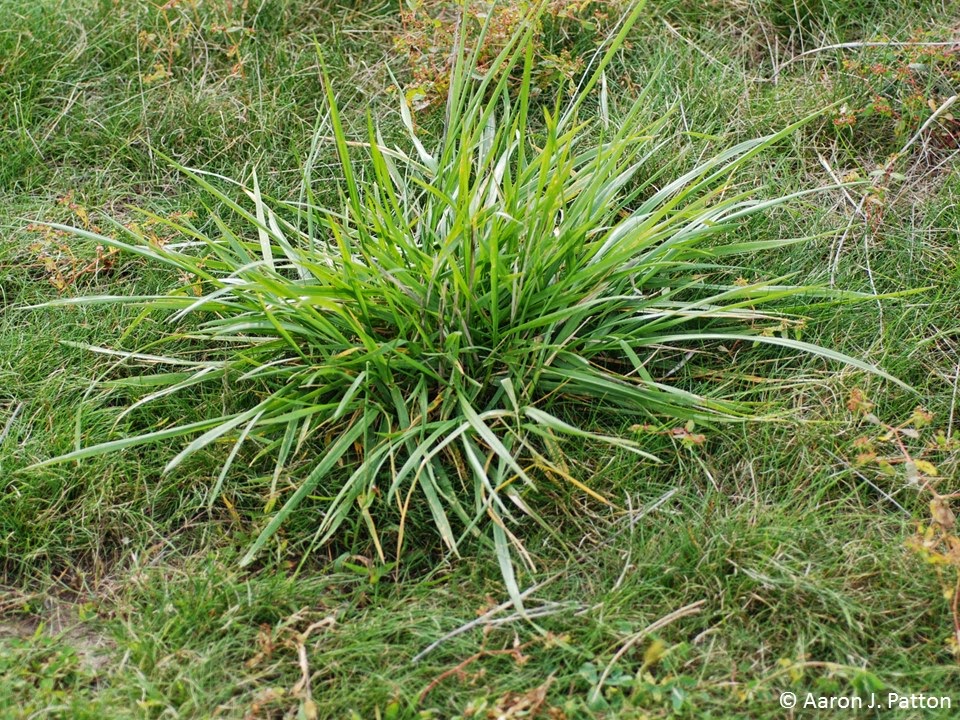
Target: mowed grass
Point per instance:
(761, 560)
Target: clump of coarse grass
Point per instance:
(433, 339)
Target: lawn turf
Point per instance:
(764, 559)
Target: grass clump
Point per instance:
(445, 332)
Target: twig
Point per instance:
(302, 688)
(685, 611)
(303, 685)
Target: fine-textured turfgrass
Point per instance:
(797, 556)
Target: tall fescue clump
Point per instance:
(430, 340)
